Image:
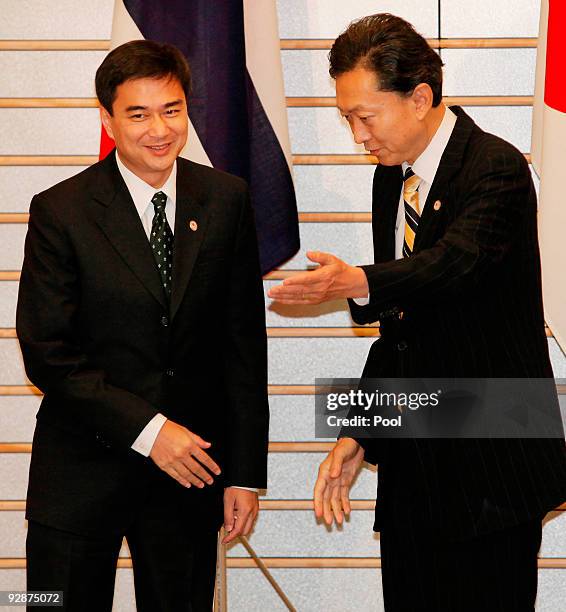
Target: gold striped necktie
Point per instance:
(411, 184)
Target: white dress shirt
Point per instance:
(425, 168)
(142, 193)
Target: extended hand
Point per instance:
(332, 280)
(335, 476)
(240, 511)
(179, 452)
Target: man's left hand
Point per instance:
(334, 279)
(240, 511)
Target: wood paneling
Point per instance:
(294, 562)
(286, 44)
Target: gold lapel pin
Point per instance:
(193, 225)
(437, 205)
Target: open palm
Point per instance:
(335, 476)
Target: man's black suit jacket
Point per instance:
(471, 301)
(99, 338)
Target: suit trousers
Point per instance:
(173, 559)
(494, 572)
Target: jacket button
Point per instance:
(164, 321)
(170, 372)
(402, 345)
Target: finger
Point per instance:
(307, 279)
(206, 460)
(249, 524)
(326, 508)
(336, 465)
(291, 289)
(322, 258)
(202, 443)
(192, 471)
(290, 293)
(310, 300)
(319, 488)
(229, 512)
(236, 530)
(188, 475)
(345, 499)
(318, 287)
(169, 469)
(230, 537)
(197, 470)
(336, 508)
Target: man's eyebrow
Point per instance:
(173, 103)
(352, 110)
(129, 109)
(136, 107)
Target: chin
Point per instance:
(162, 163)
(388, 160)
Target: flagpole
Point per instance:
(221, 583)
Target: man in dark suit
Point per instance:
(456, 287)
(141, 318)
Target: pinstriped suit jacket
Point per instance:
(472, 307)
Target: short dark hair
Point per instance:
(140, 59)
(393, 50)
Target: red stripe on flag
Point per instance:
(555, 83)
(106, 143)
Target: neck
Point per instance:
(155, 179)
(431, 124)
(158, 181)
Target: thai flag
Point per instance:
(238, 120)
(549, 161)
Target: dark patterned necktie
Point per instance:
(161, 241)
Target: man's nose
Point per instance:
(360, 133)
(158, 127)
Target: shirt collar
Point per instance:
(141, 191)
(427, 163)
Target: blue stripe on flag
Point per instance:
(226, 111)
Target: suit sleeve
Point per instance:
(245, 360)
(49, 336)
(493, 210)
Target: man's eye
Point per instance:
(172, 111)
(137, 116)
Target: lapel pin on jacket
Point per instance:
(437, 205)
(193, 225)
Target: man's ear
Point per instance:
(106, 121)
(422, 98)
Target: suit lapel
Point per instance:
(121, 224)
(191, 220)
(450, 164)
(386, 194)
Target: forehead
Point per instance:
(149, 92)
(359, 89)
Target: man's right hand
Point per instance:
(179, 452)
(335, 476)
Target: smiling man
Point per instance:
(456, 288)
(141, 318)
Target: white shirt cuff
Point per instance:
(245, 488)
(144, 442)
(362, 301)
